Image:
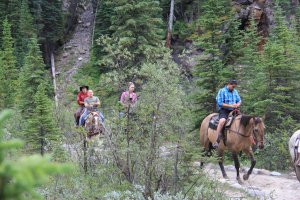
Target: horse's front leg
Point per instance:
(237, 166)
(220, 156)
(249, 153)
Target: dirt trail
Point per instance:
(76, 51)
(262, 186)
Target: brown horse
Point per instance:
(241, 135)
(93, 124)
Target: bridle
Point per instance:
(254, 132)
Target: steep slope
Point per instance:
(76, 51)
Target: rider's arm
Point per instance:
(78, 100)
(97, 102)
(224, 105)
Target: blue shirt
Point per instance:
(225, 96)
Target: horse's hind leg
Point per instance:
(207, 153)
(253, 162)
(220, 155)
(237, 166)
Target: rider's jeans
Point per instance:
(86, 113)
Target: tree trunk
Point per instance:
(54, 79)
(170, 25)
(151, 157)
(94, 22)
(42, 142)
(85, 155)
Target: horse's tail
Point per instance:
(204, 141)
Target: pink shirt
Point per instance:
(125, 98)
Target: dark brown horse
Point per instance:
(93, 124)
(240, 137)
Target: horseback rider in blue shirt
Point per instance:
(227, 100)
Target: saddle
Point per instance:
(214, 121)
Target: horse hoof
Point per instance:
(239, 181)
(246, 177)
(226, 177)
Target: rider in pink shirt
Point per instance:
(129, 98)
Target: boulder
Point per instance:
(264, 172)
(65, 55)
(275, 173)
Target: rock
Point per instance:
(80, 58)
(264, 172)
(275, 173)
(256, 193)
(65, 55)
(230, 168)
(196, 164)
(68, 47)
(292, 174)
(237, 186)
(87, 25)
(79, 22)
(255, 171)
(82, 52)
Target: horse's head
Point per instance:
(93, 122)
(259, 131)
(256, 127)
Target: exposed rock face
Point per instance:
(258, 10)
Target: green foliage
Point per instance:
(102, 27)
(8, 71)
(31, 76)
(128, 42)
(25, 32)
(13, 15)
(41, 131)
(281, 65)
(52, 21)
(20, 178)
(211, 72)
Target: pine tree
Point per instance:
(102, 27)
(26, 31)
(52, 21)
(137, 33)
(281, 65)
(19, 178)
(13, 15)
(36, 10)
(31, 76)
(41, 130)
(8, 71)
(211, 72)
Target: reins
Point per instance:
(238, 132)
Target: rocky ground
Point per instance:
(262, 184)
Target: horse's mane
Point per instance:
(245, 119)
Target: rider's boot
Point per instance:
(77, 122)
(216, 144)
